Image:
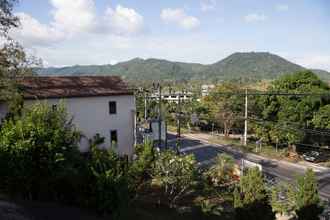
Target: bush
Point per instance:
(39, 159)
(283, 199)
(307, 197)
(37, 151)
(105, 186)
(175, 174)
(222, 171)
(141, 166)
(250, 199)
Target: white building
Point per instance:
(98, 104)
(206, 89)
(174, 96)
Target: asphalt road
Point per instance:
(206, 152)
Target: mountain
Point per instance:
(325, 75)
(252, 66)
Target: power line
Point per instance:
(273, 94)
(293, 127)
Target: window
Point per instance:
(113, 138)
(54, 107)
(112, 108)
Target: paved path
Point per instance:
(205, 152)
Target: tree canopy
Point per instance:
(285, 118)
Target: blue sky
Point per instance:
(63, 32)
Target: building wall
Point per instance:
(91, 116)
(3, 110)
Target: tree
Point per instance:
(222, 171)
(175, 174)
(283, 199)
(307, 197)
(225, 109)
(322, 118)
(7, 19)
(288, 116)
(35, 148)
(14, 63)
(251, 201)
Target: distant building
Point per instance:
(205, 89)
(174, 96)
(98, 105)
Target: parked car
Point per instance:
(312, 156)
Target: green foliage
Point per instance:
(283, 199)
(282, 118)
(14, 62)
(307, 197)
(222, 171)
(140, 168)
(39, 159)
(225, 109)
(37, 149)
(175, 174)
(238, 203)
(105, 186)
(322, 118)
(250, 201)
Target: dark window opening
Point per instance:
(112, 108)
(113, 138)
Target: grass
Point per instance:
(266, 150)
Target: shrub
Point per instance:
(37, 151)
(141, 166)
(250, 200)
(39, 159)
(307, 197)
(222, 171)
(175, 174)
(105, 187)
(283, 199)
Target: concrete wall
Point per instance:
(91, 116)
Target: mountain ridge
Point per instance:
(246, 65)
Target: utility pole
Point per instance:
(160, 116)
(178, 138)
(145, 106)
(246, 118)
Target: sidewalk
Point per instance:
(301, 164)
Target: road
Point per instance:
(205, 152)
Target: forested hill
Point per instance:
(253, 65)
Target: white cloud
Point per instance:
(32, 32)
(282, 7)
(254, 17)
(124, 20)
(179, 17)
(74, 16)
(208, 5)
(78, 17)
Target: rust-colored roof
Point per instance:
(72, 86)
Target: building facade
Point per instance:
(97, 105)
(174, 96)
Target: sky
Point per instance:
(83, 32)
